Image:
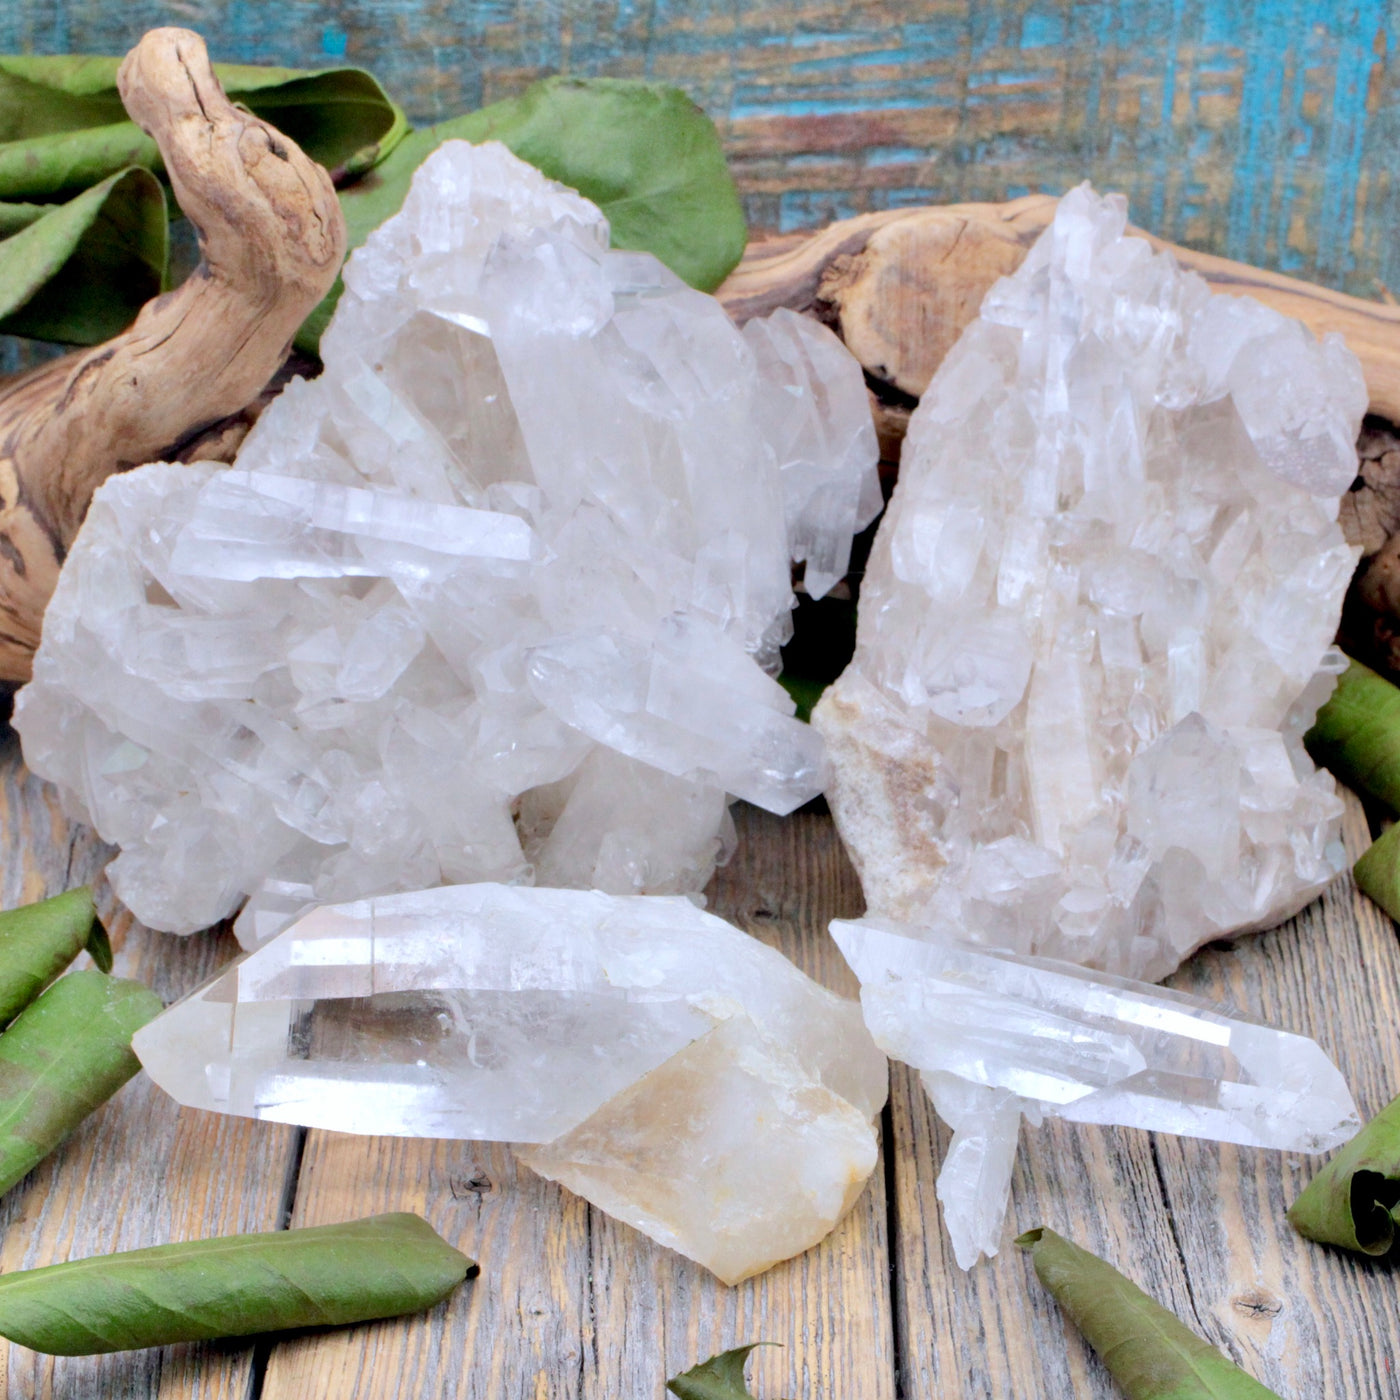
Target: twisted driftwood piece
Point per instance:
(899, 288)
(272, 239)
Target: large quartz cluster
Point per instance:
(667, 1067)
(496, 597)
(1096, 623)
(1095, 615)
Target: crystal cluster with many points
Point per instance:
(669, 1068)
(1096, 613)
(996, 1034)
(496, 597)
(1096, 622)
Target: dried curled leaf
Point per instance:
(322, 1276)
(39, 940)
(719, 1378)
(646, 155)
(1353, 1200)
(79, 272)
(63, 1057)
(1150, 1353)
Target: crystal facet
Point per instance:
(671, 1069)
(996, 1032)
(493, 598)
(1095, 624)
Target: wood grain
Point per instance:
(142, 1170)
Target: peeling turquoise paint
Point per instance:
(1268, 130)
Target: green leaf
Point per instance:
(1357, 734)
(322, 1276)
(1352, 1200)
(1148, 1351)
(79, 272)
(38, 941)
(63, 1057)
(642, 152)
(719, 1378)
(69, 127)
(1377, 873)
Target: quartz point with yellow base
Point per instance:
(656, 1060)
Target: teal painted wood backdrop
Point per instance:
(1267, 130)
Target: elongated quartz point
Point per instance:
(635, 1038)
(995, 1033)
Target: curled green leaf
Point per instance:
(67, 126)
(719, 1378)
(39, 940)
(63, 1057)
(1357, 734)
(646, 155)
(1352, 1201)
(1149, 1352)
(237, 1286)
(79, 272)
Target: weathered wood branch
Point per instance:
(899, 288)
(272, 239)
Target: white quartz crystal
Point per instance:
(995, 1033)
(1096, 622)
(1095, 616)
(496, 597)
(673, 1070)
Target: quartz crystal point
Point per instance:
(1097, 616)
(496, 597)
(671, 1069)
(995, 1033)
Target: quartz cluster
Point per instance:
(1098, 613)
(1096, 622)
(496, 597)
(996, 1035)
(669, 1068)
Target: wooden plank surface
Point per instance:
(1260, 129)
(572, 1304)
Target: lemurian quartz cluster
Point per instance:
(497, 596)
(1096, 623)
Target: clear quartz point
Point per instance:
(496, 597)
(636, 1041)
(997, 1033)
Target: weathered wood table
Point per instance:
(1261, 131)
(571, 1304)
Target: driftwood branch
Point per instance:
(899, 288)
(272, 239)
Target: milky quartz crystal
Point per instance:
(496, 597)
(1095, 625)
(671, 1069)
